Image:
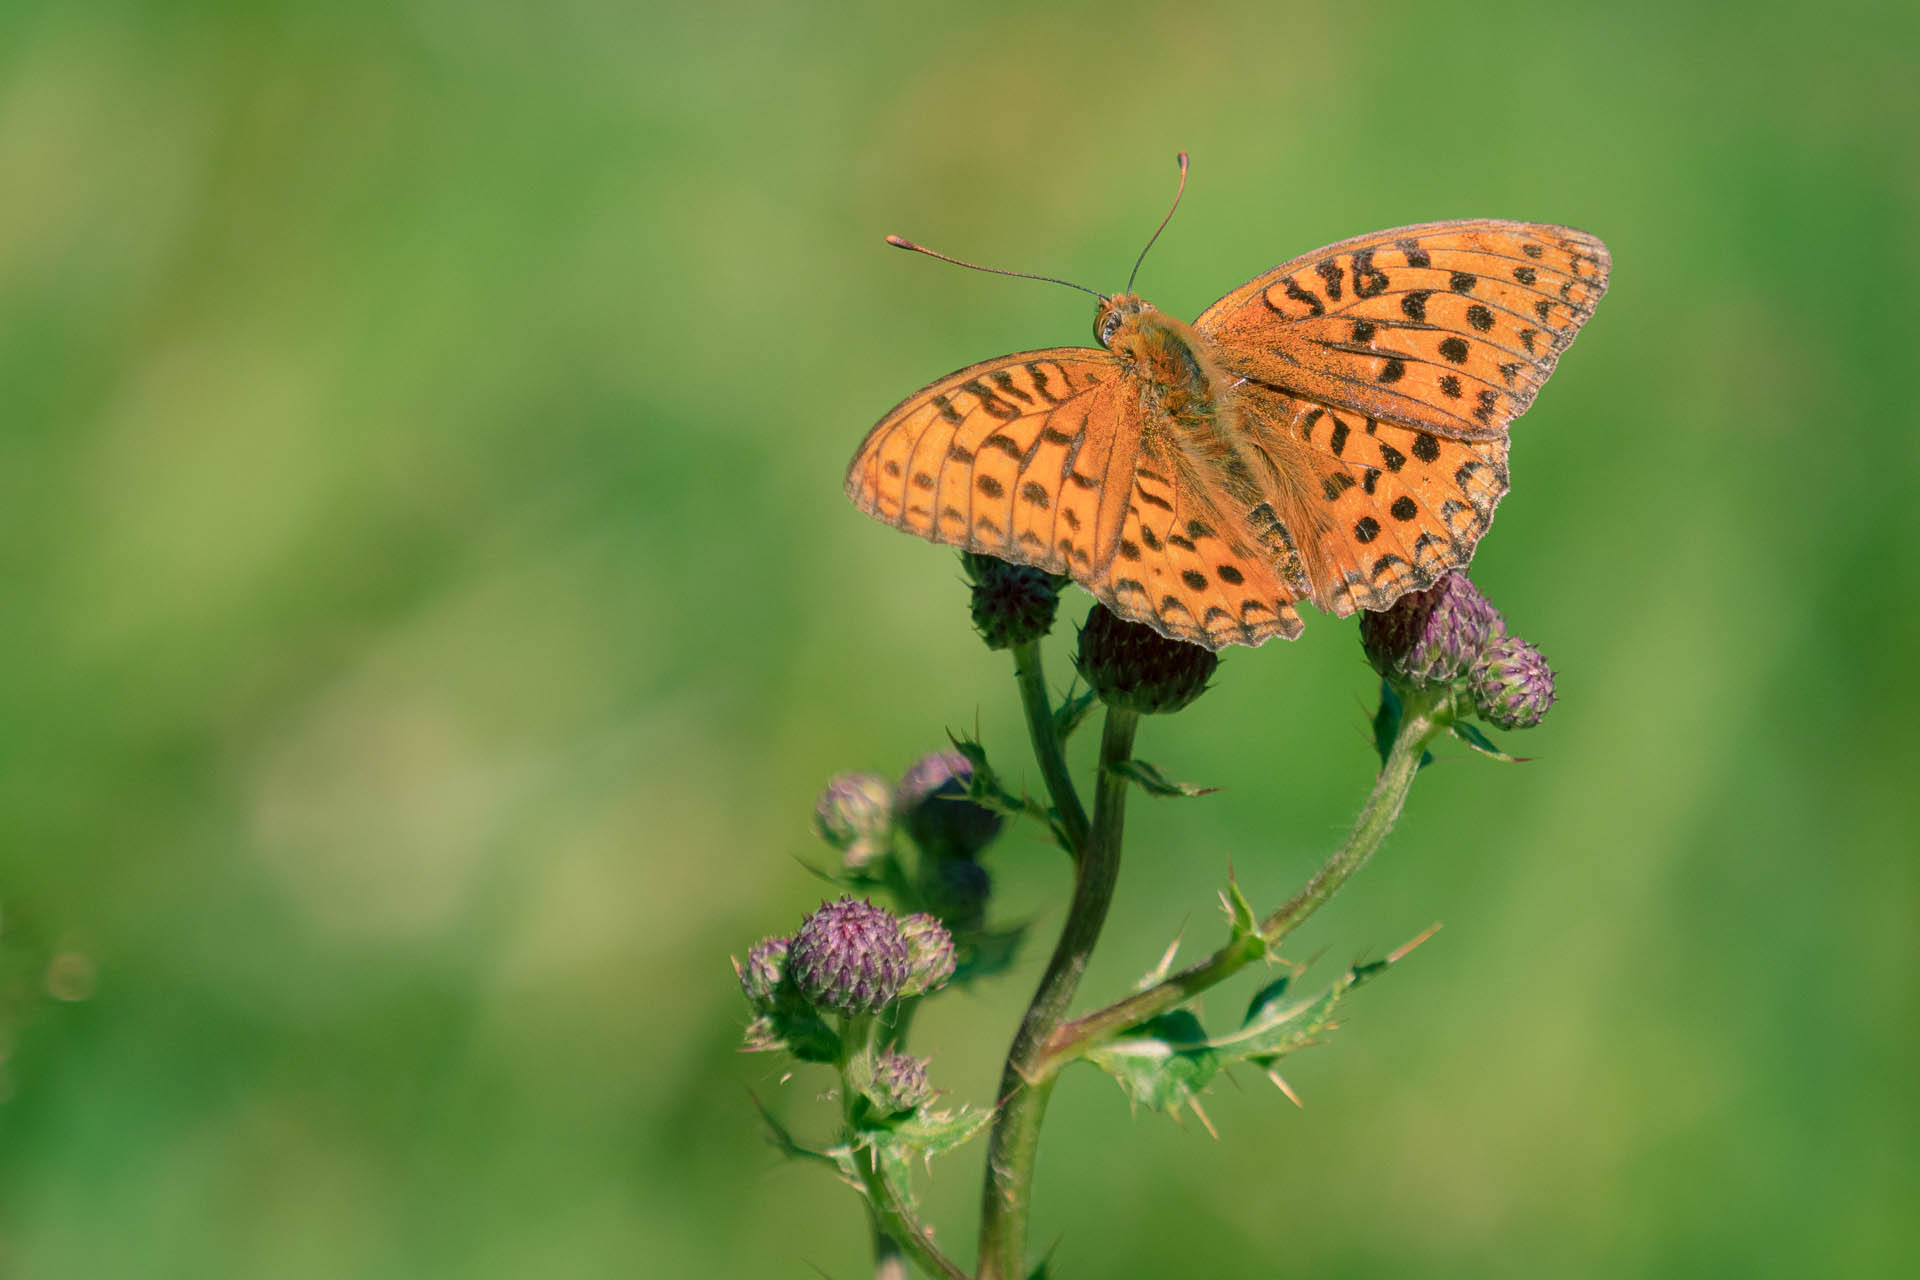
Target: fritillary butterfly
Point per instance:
(1334, 431)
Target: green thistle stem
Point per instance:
(894, 1229)
(1047, 747)
(1026, 1084)
(1424, 717)
(889, 1263)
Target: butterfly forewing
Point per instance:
(1448, 326)
(1011, 457)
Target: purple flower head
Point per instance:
(899, 1083)
(766, 967)
(855, 815)
(929, 953)
(850, 957)
(1430, 637)
(1512, 684)
(932, 804)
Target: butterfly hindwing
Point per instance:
(1011, 457)
(1386, 509)
(1186, 565)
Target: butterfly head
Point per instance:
(1117, 314)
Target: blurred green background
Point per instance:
(430, 610)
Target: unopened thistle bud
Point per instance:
(956, 890)
(899, 1083)
(932, 805)
(1132, 666)
(1430, 637)
(855, 815)
(1012, 603)
(929, 954)
(762, 974)
(850, 957)
(1512, 684)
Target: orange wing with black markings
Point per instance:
(1025, 458)
(1450, 327)
(1334, 430)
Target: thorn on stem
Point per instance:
(1394, 956)
(1195, 1104)
(1280, 1083)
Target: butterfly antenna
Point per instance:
(901, 242)
(1163, 222)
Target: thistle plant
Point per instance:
(841, 991)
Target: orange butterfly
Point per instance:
(1334, 430)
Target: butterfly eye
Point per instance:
(1108, 327)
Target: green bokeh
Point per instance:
(430, 608)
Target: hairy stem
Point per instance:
(1424, 717)
(1047, 747)
(1024, 1085)
(895, 1232)
(889, 1262)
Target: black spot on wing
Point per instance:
(1329, 272)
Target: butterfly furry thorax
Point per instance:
(1160, 351)
(1334, 430)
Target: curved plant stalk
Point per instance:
(895, 1230)
(1025, 1085)
(1424, 718)
(1047, 747)
(1046, 1042)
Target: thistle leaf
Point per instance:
(1154, 782)
(1470, 734)
(1072, 712)
(1163, 1063)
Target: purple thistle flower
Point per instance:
(932, 804)
(849, 956)
(899, 1083)
(1430, 637)
(765, 969)
(855, 815)
(1512, 684)
(929, 952)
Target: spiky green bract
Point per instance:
(1133, 667)
(849, 957)
(1512, 684)
(931, 804)
(1166, 1062)
(855, 815)
(1432, 637)
(930, 958)
(1012, 603)
(899, 1084)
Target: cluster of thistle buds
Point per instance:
(873, 823)
(1450, 638)
(920, 840)
(850, 961)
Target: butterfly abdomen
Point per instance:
(1188, 397)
